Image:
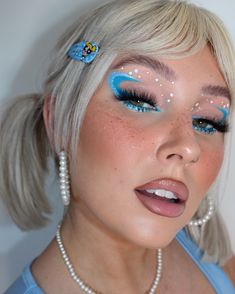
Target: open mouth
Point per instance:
(165, 197)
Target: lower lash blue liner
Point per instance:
(220, 126)
(114, 81)
(129, 98)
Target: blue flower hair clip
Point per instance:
(84, 51)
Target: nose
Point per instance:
(179, 145)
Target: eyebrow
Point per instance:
(216, 91)
(158, 66)
(168, 73)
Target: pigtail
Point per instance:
(24, 149)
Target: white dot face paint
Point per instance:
(165, 92)
(152, 83)
(216, 107)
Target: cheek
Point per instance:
(106, 138)
(211, 161)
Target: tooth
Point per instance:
(163, 193)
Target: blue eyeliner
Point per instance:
(224, 111)
(116, 78)
(208, 126)
(136, 100)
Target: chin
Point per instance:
(151, 235)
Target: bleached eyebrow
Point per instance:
(158, 66)
(168, 73)
(216, 90)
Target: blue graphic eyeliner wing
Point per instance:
(224, 111)
(116, 78)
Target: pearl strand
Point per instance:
(64, 178)
(202, 221)
(87, 289)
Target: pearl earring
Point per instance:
(208, 215)
(64, 178)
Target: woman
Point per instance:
(135, 110)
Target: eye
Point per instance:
(208, 126)
(140, 102)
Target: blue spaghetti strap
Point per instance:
(25, 284)
(215, 275)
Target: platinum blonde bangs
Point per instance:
(161, 29)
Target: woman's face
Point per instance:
(151, 145)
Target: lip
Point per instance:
(161, 206)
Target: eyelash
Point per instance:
(127, 97)
(213, 125)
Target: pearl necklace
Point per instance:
(87, 289)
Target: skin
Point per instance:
(229, 267)
(110, 236)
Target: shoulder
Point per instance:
(229, 268)
(25, 284)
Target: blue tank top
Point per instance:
(26, 284)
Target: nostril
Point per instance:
(195, 159)
(178, 156)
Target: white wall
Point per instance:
(28, 30)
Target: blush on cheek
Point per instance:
(106, 136)
(211, 167)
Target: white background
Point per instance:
(28, 31)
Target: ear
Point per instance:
(47, 115)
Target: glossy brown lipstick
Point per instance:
(166, 197)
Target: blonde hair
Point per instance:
(164, 28)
